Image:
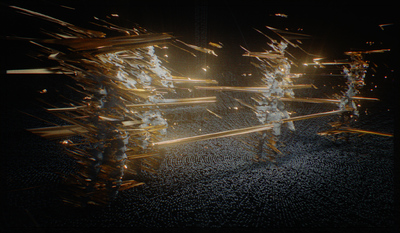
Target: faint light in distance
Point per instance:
(281, 15)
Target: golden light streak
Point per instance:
(242, 131)
(215, 45)
(326, 63)
(189, 99)
(128, 184)
(166, 102)
(200, 100)
(353, 130)
(270, 55)
(58, 131)
(310, 100)
(132, 155)
(222, 134)
(368, 132)
(252, 89)
(37, 71)
(367, 52)
(245, 104)
(315, 115)
(178, 79)
(214, 113)
(65, 109)
(200, 49)
(364, 98)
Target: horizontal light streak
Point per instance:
(236, 132)
(252, 89)
(166, 102)
(352, 130)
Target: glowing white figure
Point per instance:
(355, 75)
(270, 108)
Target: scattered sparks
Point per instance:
(124, 108)
(126, 112)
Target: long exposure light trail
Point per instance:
(165, 102)
(352, 130)
(118, 125)
(315, 115)
(252, 89)
(37, 71)
(310, 100)
(222, 134)
(236, 132)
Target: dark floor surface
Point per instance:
(316, 184)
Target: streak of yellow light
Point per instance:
(252, 89)
(222, 134)
(352, 130)
(310, 100)
(242, 131)
(213, 113)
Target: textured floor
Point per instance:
(215, 183)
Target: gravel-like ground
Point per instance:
(215, 183)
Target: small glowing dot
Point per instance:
(66, 142)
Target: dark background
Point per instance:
(195, 191)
